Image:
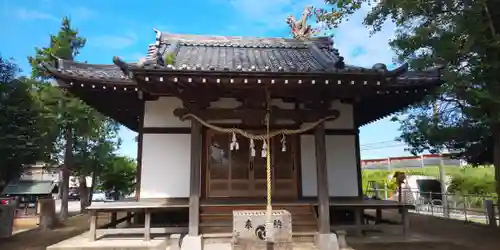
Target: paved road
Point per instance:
(73, 207)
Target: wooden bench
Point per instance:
(146, 207)
(359, 206)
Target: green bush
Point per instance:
(465, 180)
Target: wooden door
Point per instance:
(237, 174)
(240, 170)
(284, 169)
(228, 172)
(283, 174)
(258, 172)
(218, 165)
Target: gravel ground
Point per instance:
(459, 235)
(451, 235)
(38, 240)
(411, 246)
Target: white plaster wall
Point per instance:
(160, 113)
(308, 165)
(165, 166)
(341, 165)
(346, 118)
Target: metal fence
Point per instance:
(469, 208)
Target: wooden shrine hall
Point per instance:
(209, 111)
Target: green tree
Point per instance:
(464, 115)
(119, 176)
(92, 152)
(21, 136)
(8, 70)
(72, 119)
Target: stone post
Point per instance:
(47, 209)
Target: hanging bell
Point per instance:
(252, 148)
(263, 152)
(234, 143)
(283, 144)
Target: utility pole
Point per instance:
(442, 174)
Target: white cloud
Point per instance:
(132, 57)
(350, 37)
(266, 15)
(114, 41)
(26, 14)
(353, 35)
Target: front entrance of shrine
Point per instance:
(239, 173)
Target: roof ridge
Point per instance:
(190, 38)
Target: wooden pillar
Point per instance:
(140, 136)
(147, 224)
(322, 183)
(358, 164)
(195, 178)
(93, 225)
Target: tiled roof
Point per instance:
(223, 53)
(89, 72)
(233, 54)
(29, 187)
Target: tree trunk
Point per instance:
(68, 155)
(92, 187)
(496, 161)
(84, 192)
(116, 194)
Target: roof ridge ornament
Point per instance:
(300, 29)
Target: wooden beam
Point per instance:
(299, 116)
(322, 183)
(195, 178)
(140, 136)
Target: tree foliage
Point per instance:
(83, 138)
(22, 135)
(65, 45)
(462, 35)
(118, 176)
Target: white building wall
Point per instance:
(341, 165)
(165, 165)
(340, 157)
(346, 118)
(166, 158)
(160, 114)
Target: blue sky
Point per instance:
(125, 28)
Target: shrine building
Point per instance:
(202, 107)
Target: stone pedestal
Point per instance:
(192, 243)
(47, 214)
(252, 230)
(341, 239)
(326, 241)
(7, 214)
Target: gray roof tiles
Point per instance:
(98, 72)
(240, 53)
